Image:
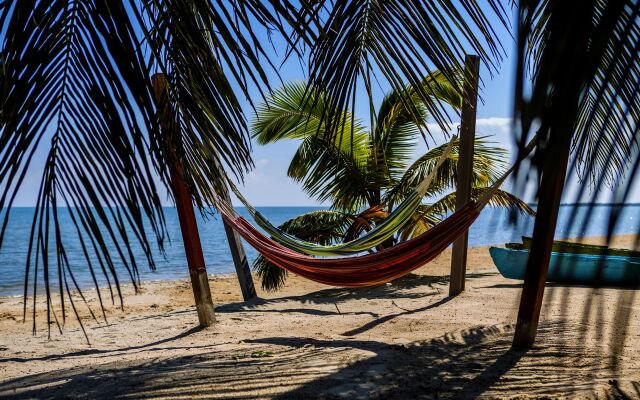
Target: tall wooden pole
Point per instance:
(239, 257)
(465, 168)
(556, 99)
(184, 205)
(550, 194)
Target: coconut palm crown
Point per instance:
(371, 170)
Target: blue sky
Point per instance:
(268, 184)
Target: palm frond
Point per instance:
(208, 53)
(364, 221)
(286, 115)
(322, 227)
(397, 127)
(330, 168)
(428, 215)
(330, 174)
(76, 86)
(271, 276)
(421, 221)
(606, 128)
(365, 42)
(489, 163)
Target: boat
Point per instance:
(560, 246)
(571, 267)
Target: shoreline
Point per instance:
(404, 339)
(621, 241)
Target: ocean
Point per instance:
(492, 227)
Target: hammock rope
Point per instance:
(372, 238)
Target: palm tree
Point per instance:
(75, 85)
(369, 170)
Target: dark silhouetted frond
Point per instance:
(606, 128)
(76, 87)
(369, 42)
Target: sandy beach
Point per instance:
(406, 339)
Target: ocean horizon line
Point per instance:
(580, 204)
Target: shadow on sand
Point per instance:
(468, 364)
(472, 363)
(400, 288)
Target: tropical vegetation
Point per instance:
(76, 87)
(364, 173)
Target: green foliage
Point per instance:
(323, 227)
(364, 170)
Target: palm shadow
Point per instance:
(466, 364)
(98, 352)
(400, 288)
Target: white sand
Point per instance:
(401, 340)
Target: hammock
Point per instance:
(372, 238)
(369, 269)
(366, 270)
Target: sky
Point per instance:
(268, 184)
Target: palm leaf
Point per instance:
(489, 163)
(608, 102)
(330, 168)
(206, 51)
(428, 215)
(330, 174)
(365, 42)
(365, 221)
(66, 95)
(397, 127)
(322, 227)
(76, 87)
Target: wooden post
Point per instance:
(239, 257)
(558, 112)
(184, 205)
(465, 168)
(550, 193)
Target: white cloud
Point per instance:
(494, 122)
(491, 125)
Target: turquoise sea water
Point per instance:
(492, 227)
